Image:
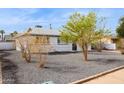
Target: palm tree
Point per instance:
(2, 32)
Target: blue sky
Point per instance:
(19, 19)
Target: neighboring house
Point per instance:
(109, 43)
(8, 43)
(52, 38)
(107, 40)
(8, 38)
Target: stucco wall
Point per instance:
(53, 40)
(55, 46)
(107, 40)
(59, 47)
(63, 47)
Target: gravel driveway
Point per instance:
(62, 68)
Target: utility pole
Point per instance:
(50, 26)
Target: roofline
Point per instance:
(36, 35)
(44, 35)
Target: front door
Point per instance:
(74, 47)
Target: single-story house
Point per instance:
(52, 38)
(109, 43)
(6, 38)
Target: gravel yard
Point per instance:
(60, 68)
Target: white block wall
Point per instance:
(108, 46)
(7, 45)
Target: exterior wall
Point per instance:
(109, 46)
(33, 41)
(107, 40)
(21, 40)
(59, 47)
(79, 49)
(107, 43)
(53, 42)
(63, 47)
(67, 47)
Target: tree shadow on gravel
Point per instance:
(64, 53)
(102, 53)
(64, 69)
(9, 69)
(106, 61)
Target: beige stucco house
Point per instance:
(51, 37)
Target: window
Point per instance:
(61, 42)
(42, 40)
(37, 40)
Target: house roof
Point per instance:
(39, 31)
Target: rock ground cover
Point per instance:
(59, 68)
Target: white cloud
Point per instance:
(16, 16)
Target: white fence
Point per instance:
(109, 46)
(7, 45)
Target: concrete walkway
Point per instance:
(116, 77)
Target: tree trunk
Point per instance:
(99, 48)
(85, 52)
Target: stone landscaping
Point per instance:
(61, 68)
